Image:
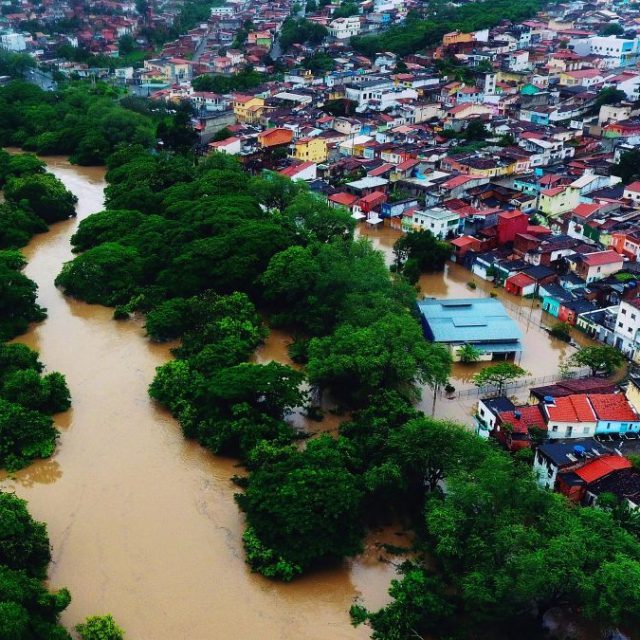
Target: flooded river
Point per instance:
(142, 522)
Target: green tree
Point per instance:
(561, 330)
(610, 95)
(25, 435)
(126, 44)
(612, 29)
(601, 359)
(310, 214)
(475, 131)
(423, 249)
(469, 353)
(301, 510)
(497, 375)
(356, 362)
(18, 305)
(100, 628)
(420, 607)
(24, 544)
(108, 274)
(43, 194)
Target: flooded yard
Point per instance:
(541, 354)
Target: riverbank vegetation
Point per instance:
(28, 610)
(27, 398)
(200, 250)
(205, 251)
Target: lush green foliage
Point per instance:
(100, 628)
(43, 194)
(501, 553)
(301, 31)
(27, 610)
(24, 543)
(33, 199)
(291, 502)
(601, 359)
(242, 81)
(628, 167)
(27, 399)
(18, 305)
(497, 375)
(416, 33)
(417, 252)
(86, 123)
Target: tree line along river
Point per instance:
(142, 522)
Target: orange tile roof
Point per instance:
(602, 467)
(613, 406)
(574, 408)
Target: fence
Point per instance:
(518, 384)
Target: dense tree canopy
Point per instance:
(27, 610)
(43, 194)
(301, 31)
(85, 122)
(18, 305)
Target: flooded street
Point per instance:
(142, 522)
(541, 354)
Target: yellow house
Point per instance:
(311, 150)
(558, 200)
(248, 108)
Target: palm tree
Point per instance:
(469, 354)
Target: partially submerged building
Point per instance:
(481, 322)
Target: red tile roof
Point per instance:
(529, 416)
(613, 406)
(574, 408)
(602, 467)
(601, 258)
(521, 280)
(378, 171)
(634, 186)
(291, 172)
(407, 164)
(585, 210)
(345, 199)
(463, 241)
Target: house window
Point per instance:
(623, 312)
(619, 324)
(554, 428)
(585, 430)
(569, 431)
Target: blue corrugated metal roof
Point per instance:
(478, 321)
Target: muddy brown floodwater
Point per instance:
(142, 522)
(541, 352)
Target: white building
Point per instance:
(343, 28)
(13, 42)
(569, 417)
(441, 222)
(625, 337)
(622, 51)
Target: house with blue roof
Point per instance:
(481, 322)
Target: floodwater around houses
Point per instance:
(142, 522)
(541, 355)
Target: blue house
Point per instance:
(481, 322)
